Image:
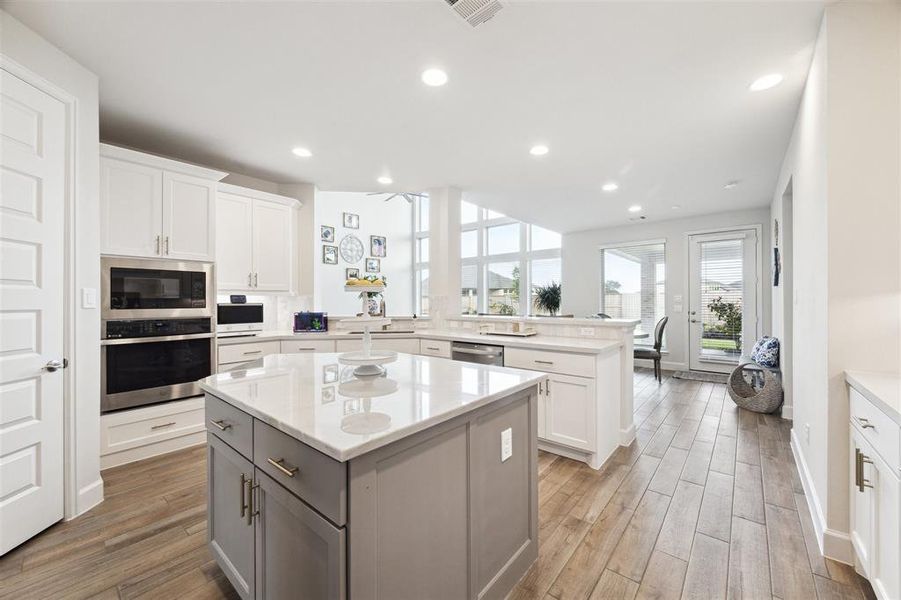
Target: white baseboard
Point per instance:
(832, 543)
(627, 436)
(787, 412)
(88, 497)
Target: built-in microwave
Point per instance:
(135, 288)
(237, 319)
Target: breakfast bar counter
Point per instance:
(327, 485)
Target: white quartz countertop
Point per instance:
(882, 389)
(315, 399)
(536, 342)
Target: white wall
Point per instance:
(392, 220)
(581, 268)
(843, 165)
(84, 487)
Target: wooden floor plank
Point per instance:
(789, 566)
(663, 578)
(708, 569)
(749, 565)
(681, 520)
(748, 498)
(715, 518)
(633, 552)
(613, 586)
(697, 463)
(667, 475)
(723, 458)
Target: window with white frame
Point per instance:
(421, 256)
(503, 262)
(633, 280)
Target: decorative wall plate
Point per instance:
(351, 249)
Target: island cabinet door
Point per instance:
(230, 527)
(299, 554)
(569, 411)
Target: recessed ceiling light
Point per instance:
(634, 208)
(538, 150)
(731, 185)
(302, 152)
(385, 180)
(610, 186)
(766, 82)
(434, 77)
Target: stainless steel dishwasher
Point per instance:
(483, 354)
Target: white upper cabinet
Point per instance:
(234, 242)
(156, 207)
(189, 209)
(131, 208)
(254, 240)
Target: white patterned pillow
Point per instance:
(766, 352)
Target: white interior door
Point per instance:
(722, 313)
(32, 220)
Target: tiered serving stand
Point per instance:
(367, 361)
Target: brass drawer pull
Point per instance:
(277, 463)
(433, 348)
(170, 424)
(244, 507)
(221, 424)
(544, 362)
(253, 352)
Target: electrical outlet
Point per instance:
(807, 433)
(586, 331)
(506, 444)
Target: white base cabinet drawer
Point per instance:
(241, 353)
(877, 428)
(300, 346)
(580, 365)
(439, 348)
(139, 433)
(407, 346)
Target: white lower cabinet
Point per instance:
(304, 346)
(232, 356)
(407, 346)
(569, 407)
(875, 502)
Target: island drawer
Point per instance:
(318, 480)
(877, 428)
(235, 353)
(229, 424)
(580, 365)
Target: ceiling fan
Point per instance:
(408, 196)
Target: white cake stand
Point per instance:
(367, 360)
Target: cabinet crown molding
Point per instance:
(160, 162)
(237, 190)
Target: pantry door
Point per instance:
(32, 236)
(722, 312)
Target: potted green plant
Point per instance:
(547, 298)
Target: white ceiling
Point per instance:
(652, 95)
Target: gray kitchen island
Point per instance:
(421, 483)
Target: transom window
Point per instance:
(503, 261)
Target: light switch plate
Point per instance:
(506, 444)
(88, 298)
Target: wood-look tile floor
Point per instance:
(705, 504)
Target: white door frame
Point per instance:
(687, 277)
(70, 480)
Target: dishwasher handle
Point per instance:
(476, 352)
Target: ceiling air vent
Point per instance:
(475, 12)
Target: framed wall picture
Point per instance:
(351, 273)
(378, 246)
(351, 221)
(329, 255)
(373, 265)
(327, 233)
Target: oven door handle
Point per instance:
(161, 338)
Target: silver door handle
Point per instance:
(865, 423)
(221, 425)
(544, 362)
(55, 365)
(256, 280)
(547, 386)
(693, 320)
(250, 280)
(253, 352)
(167, 245)
(163, 426)
(157, 244)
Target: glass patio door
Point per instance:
(722, 312)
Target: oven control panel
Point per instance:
(139, 328)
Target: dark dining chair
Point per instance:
(654, 354)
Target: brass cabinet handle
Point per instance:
(169, 424)
(433, 348)
(220, 424)
(243, 498)
(860, 459)
(544, 362)
(865, 423)
(277, 463)
(251, 511)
